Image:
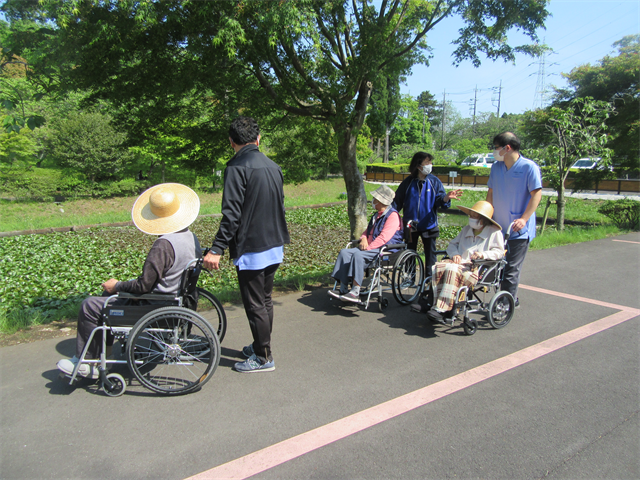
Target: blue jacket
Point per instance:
(421, 206)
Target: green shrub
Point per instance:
(623, 213)
(388, 167)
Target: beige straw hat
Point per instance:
(165, 208)
(383, 194)
(482, 208)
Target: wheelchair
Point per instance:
(396, 268)
(500, 307)
(171, 342)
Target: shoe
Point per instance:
(248, 351)
(336, 294)
(252, 364)
(517, 305)
(419, 308)
(350, 297)
(68, 365)
(438, 317)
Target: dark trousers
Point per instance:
(429, 245)
(89, 317)
(516, 252)
(255, 288)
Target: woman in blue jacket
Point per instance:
(419, 196)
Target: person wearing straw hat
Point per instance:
(480, 239)
(254, 229)
(384, 228)
(166, 210)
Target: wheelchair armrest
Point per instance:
(395, 246)
(147, 296)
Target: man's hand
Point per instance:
(110, 286)
(211, 261)
(456, 259)
(518, 224)
(364, 243)
(476, 256)
(453, 195)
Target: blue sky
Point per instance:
(579, 32)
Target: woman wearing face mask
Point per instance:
(419, 196)
(481, 239)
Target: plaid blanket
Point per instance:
(447, 278)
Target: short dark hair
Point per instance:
(417, 159)
(507, 138)
(244, 130)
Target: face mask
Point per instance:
(475, 223)
(373, 204)
(497, 156)
(426, 169)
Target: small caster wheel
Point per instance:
(382, 303)
(118, 385)
(470, 326)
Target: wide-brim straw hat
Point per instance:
(384, 195)
(482, 208)
(165, 208)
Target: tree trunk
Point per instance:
(356, 196)
(561, 203)
(386, 147)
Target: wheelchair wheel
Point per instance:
(383, 303)
(501, 309)
(118, 385)
(173, 350)
(469, 326)
(211, 309)
(407, 277)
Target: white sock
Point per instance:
(356, 290)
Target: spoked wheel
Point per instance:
(407, 277)
(117, 387)
(211, 309)
(501, 309)
(173, 350)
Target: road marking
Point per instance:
(304, 443)
(625, 241)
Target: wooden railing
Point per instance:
(618, 186)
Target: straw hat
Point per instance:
(484, 209)
(165, 208)
(384, 195)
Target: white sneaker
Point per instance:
(68, 365)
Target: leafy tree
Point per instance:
(384, 107)
(314, 59)
(615, 79)
(427, 101)
(410, 124)
(87, 142)
(563, 135)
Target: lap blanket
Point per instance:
(447, 278)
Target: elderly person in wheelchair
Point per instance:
(166, 210)
(481, 239)
(385, 227)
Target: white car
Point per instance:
(479, 160)
(589, 163)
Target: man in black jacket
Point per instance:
(254, 230)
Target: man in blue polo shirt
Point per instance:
(515, 190)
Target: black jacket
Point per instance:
(252, 205)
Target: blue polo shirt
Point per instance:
(511, 193)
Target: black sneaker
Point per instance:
(517, 303)
(248, 350)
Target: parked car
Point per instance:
(478, 160)
(589, 163)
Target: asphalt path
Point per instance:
(362, 394)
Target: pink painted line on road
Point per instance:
(579, 299)
(304, 443)
(625, 241)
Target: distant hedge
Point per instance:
(437, 169)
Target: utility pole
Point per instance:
(444, 107)
(499, 95)
(475, 103)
